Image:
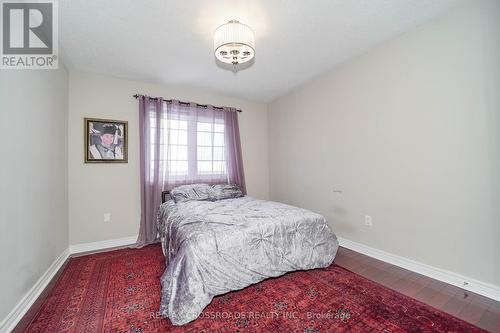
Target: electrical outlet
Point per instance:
(107, 217)
(368, 221)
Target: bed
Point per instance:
(213, 247)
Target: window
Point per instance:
(210, 148)
(190, 147)
(175, 147)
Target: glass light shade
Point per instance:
(234, 43)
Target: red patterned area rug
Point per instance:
(119, 291)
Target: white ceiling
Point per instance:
(170, 41)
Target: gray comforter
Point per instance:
(216, 247)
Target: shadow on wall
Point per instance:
(337, 218)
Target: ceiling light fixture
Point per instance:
(234, 43)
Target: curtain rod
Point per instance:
(182, 103)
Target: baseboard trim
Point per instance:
(13, 318)
(461, 281)
(470, 284)
(101, 245)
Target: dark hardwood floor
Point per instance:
(473, 308)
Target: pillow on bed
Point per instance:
(224, 191)
(198, 192)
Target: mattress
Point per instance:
(212, 248)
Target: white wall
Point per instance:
(95, 189)
(33, 178)
(410, 132)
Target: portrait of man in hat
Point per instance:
(105, 141)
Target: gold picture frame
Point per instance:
(106, 140)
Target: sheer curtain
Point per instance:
(184, 144)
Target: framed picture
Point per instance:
(105, 141)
